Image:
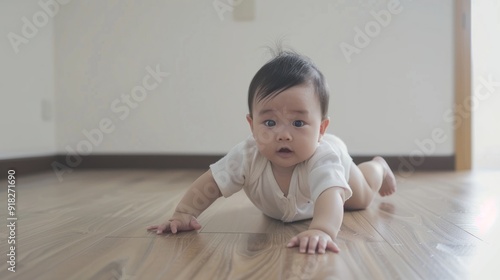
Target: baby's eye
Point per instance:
(298, 123)
(269, 123)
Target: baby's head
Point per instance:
(288, 107)
(287, 69)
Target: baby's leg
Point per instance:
(366, 180)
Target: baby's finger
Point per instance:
(293, 242)
(161, 228)
(332, 246)
(303, 244)
(151, 227)
(322, 246)
(194, 223)
(174, 226)
(313, 243)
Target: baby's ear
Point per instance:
(323, 126)
(250, 121)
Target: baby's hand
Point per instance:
(312, 241)
(178, 222)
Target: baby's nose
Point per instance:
(284, 135)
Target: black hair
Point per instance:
(285, 70)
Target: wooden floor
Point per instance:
(92, 226)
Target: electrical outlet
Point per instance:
(244, 11)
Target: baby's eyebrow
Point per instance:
(302, 112)
(267, 111)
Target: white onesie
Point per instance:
(245, 168)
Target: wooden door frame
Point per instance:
(463, 84)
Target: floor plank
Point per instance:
(91, 225)
(121, 258)
(237, 214)
(435, 248)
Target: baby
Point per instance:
(290, 168)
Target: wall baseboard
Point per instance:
(27, 165)
(48, 163)
(411, 164)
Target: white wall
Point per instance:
(486, 84)
(392, 93)
(27, 81)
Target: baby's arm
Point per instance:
(200, 195)
(325, 225)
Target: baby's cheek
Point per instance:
(263, 137)
(309, 149)
(262, 147)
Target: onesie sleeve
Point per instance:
(326, 171)
(231, 172)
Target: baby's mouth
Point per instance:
(285, 150)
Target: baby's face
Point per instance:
(288, 127)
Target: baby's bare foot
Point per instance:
(389, 183)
